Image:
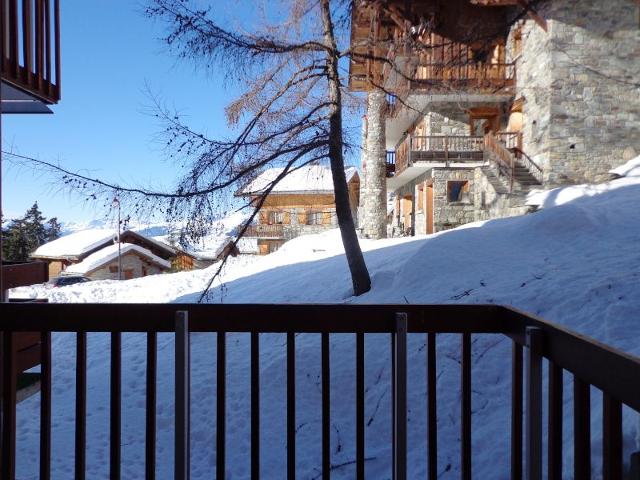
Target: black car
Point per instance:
(63, 281)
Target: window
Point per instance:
(458, 191)
(113, 269)
(314, 217)
(276, 217)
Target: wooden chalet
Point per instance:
(301, 203)
(483, 105)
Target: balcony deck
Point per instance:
(30, 62)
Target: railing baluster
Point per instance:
(116, 404)
(150, 437)
(326, 407)
(534, 403)
(81, 405)
(516, 412)
(39, 44)
(255, 405)
(182, 400)
(612, 438)
(400, 395)
(581, 429)
(221, 406)
(291, 406)
(9, 407)
(360, 402)
(554, 456)
(27, 35)
(45, 405)
(432, 418)
(13, 37)
(465, 423)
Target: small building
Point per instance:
(73, 248)
(104, 264)
(302, 203)
(69, 250)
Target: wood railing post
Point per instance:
(400, 397)
(533, 436)
(8, 407)
(182, 396)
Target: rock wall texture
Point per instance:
(448, 214)
(375, 183)
(581, 81)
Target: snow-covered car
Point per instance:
(64, 280)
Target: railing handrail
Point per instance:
(616, 373)
(502, 157)
(533, 167)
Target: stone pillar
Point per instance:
(363, 180)
(375, 190)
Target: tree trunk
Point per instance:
(375, 215)
(355, 259)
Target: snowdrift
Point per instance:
(574, 262)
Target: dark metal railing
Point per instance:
(31, 46)
(615, 373)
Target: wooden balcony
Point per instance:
(447, 149)
(535, 422)
(262, 230)
(30, 63)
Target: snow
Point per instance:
(629, 169)
(308, 179)
(75, 244)
(110, 253)
(574, 262)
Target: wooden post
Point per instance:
(533, 366)
(400, 396)
(182, 396)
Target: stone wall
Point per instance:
(438, 124)
(452, 214)
(580, 81)
(489, 204)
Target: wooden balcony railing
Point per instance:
(534, 342)
(31, 47)
(265, 231)
(467, 75)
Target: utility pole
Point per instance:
(116, 201)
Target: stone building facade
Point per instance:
(580, 82)
(567, 110)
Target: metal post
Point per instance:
(182, 447)
(400, 396)
(533, 436)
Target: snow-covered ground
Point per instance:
(575, 262)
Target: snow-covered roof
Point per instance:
(110, 253)
(76, 244)
(211, 248)
(308, 179)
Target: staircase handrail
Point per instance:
(502, 157)
(533, 167)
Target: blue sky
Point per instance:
(110, 52)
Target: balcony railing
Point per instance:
(31, 47)
(467, 76)
(534, 342)
(265, 231)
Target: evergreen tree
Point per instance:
(53, 229)
(36, 230)
(24, 235)
(15, 244)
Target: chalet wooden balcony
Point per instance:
(266, 231)
(536, 346)
(30, 52)
(444, 150)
